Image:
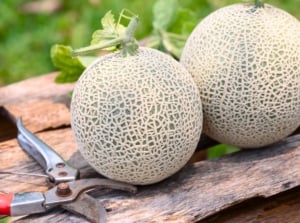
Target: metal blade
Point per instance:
(68, 195)
(88, 207)
(54, 165)
(75, 188)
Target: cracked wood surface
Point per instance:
(199, 190)
(257, 185)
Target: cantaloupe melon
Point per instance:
(136, 119)
(246, 63)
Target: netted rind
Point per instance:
(246, 63)
(136, 119)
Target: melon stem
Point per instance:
(96, 47)
(126, 43)
(259, 4)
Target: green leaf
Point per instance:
(164, 13)
(173, 43)
(71, 68)
(110, 30)
(200, 8)
(4, 220)
(108, 22)
(220, 150)
(185, 22)
(174, 40)
(173, 24)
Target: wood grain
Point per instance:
(283, 207)
(39, 115)
(207, 187)
(197, 191)
(257, 185)
(37, 88)
(41, 102)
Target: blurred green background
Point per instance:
(28, 29)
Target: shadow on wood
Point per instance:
(205, 188)
(257, 184)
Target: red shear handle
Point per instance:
(5, 202)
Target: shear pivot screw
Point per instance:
(63, 190)
(60, 165)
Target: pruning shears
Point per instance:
(68, 191)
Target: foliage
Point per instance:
(220, 150)
(71, 68)
(110, 29)
(26, 37)
(167, 15)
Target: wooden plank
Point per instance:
(37, 88)
(194, 193)
(13, 158)
(39, 115)
(283, 207)
(208, 188)
(22, 99)
(41, 102)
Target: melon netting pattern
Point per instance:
(246, 63)
(136, 119)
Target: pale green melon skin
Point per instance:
(136, 119)
(246, 64)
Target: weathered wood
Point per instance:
(246, 185)
(194, 193)
(41, 102)
(40, 97)
(206, 187)
(37, 88)
(38, 115)
(283, 207)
